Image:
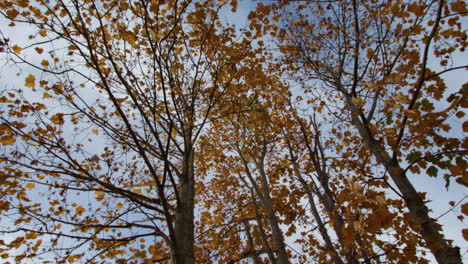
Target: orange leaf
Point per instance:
(39, 50)
(57, 119)
(7, 140)
(30, 81)
(79, 210)
(45, 63)
(17, 49)
(12, 13)
(30, 185)
(464, 208)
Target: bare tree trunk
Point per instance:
(443, 252)
(255, 257)
(277, 234)
(323, 231)
(317, 158)
(263, 235)
(263, 194)
(184, 215)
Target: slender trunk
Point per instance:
(313, 208)
(443, 252)
(184, 216)
(277, 234)
(323, 231)
(338, 223)
(327, 197)
(255, 257)
(263, 194)
(263, 235)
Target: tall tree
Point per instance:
(127, 88)
(372, 59)
(146, 131)
(248, 166)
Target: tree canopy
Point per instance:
(158, 131)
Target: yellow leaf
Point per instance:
(79, 210)
(402, 98)
(46, 95)
(30, 81)
(95, 132)
(17, 49)
(137, 191)
(358, 101)
(43, 33)
(30, 185)
(119, 206)
(57, 119)
(7, 140)
(31, 235)
(99, 195)
(45, 63)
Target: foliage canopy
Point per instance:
(148, 131)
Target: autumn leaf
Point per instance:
(79, 210)
(7, 140)
(43, 33)
(12, 14)
(95, 132)
(57, 119)
(358, 101)
(30, 81)
(402, 98)
(30, 185)
(45, 63)
(17, 49)
(464, 208)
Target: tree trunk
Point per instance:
(251, 244)
(184, 216)
(443, 252)
(277, 234)
(263, 235)
(326, 197)
(323, 231)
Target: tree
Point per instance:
(247, 168)
(127, 88)
(374, 58)
(147, 131)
